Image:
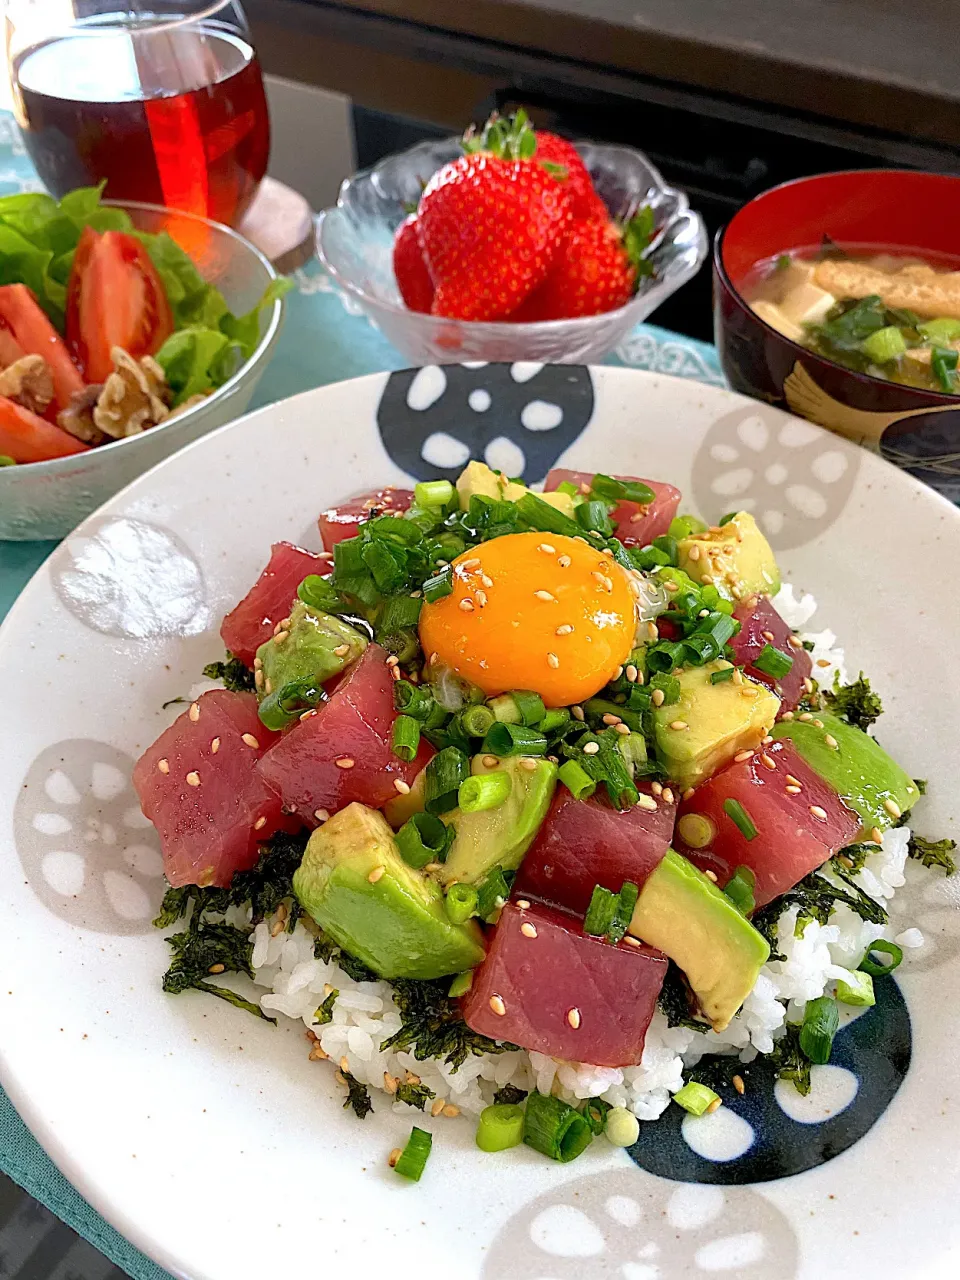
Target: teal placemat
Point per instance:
(326, 339)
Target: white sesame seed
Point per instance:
(741, 756)
(795, 641)
(564, 630)
(486, 580)
(434, 658)
(573, 1017)
(591, 748)
(564, 562)
(523, 904)
(481, 598)
(831, 741)
(344, 762)
(321, 815)
(704, 613)
(711, 875)
(163, 766)
(194, 712)
(528, 930)
(876, 835)
(466, 605)
(609, 718)
(787, 715)
(395, 672)
(715, 1105)
(632, 942)
(793, 791)
(671, 585)
(805, 716)
(807, 687)
(259, 824)
(632, 673)
(308, 715)
(768, 636)
(342, 650)
(193, 779)
(257, 663)
(401, 786)
(679, 725)
(823, 662)
(258, 678)
(690, 791)
(768, 762)
(737, 676)
(553, 660)
(766, 741)
(268, 686)
(577, 713)
(392, 660)
(545, 546)
(251, 741)
(490, 762)
(657, 697)
(450, 1111)
(471, 563)
(818, 724)
(497, 1005)
(545, 595)
(693, 553)
(647, 802)
(623, 729)
(214, 746)
(818, 812)
(528, 764)
(377, 874)
(892, 808)
(281, 637)
(600, 577)
(668, 796)
(652, 631)
(656, 788)
(707, 578)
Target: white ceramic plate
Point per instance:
(208, 1138)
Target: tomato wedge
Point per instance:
(24, 437)
(115, 298)
(25, 330)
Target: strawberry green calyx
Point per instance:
(510, 138)
(636, 234)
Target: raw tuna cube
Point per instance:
(342, 752)
(760, 624)
(636, 525)
(344, 521)
(546, 985)
(199, 786)
(583, 843)
(784, 799)
(246, 627)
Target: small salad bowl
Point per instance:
(888, 211)
(43, 500)
(355, 244)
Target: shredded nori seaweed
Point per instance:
(816, 898)
(433, 1026)
(934, 853)
(414, 1095)
(509, 1095)
(358, 1096)
(855, 702)
(789, 1061)
(676, 1001)
(235, 675)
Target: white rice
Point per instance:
(365, 1015)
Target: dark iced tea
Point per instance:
(175, 115)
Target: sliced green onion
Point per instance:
(399, 612)
(877, 969)
(493, 892)
(943, 362)
(440, 585)
(546, 519)
(348, 557)
(601, 911)
(460, 985)
(433, 493)
(383, 560)
(395, 529)
(500, 1127)
(596, 708)
(668, 685)
(555, 1128)
(724, 674)
(513, 740)
(580, 785)
(319, 593)
(414, 700)
(884, 345)
(461, 903)
(415, 1154)
(622, 1128)
(623, 913)
(505, 709)
(821, 1018)
(530, 705)
(857, 990)
(476, 720)
(741, 890)
(281, 707)
(633, 748)
(665, 656)
(595, 1112)
(554, 718)
(567, 487)
(683, 526)
(740, 818)
(594, 518)
(484, 791)
(445, 772)
(942, 330)
(424, 838)
(406, 737)
(695, 1098)
(621, 490)
(648, 558)
(773, 662)
(668, 545)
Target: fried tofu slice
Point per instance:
(927, 292)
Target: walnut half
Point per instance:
(77, 418)
(28, 381)
(134, 397)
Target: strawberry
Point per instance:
(584, 201)
(413, 278)
(490, 223)
(596, 270)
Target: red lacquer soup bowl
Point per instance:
(892, 209)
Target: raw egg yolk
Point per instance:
(533, 611)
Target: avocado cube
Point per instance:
(477, 479)
(357, 887)
(316, 646)
(686, 916)
(711, 723)
(500, 837)
(855, 766)
(735, 557)
(398, 810)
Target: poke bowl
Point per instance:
(255, 1022)
(807, 272)
(46, 499)
(355, 242)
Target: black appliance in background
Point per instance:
(408, 81)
